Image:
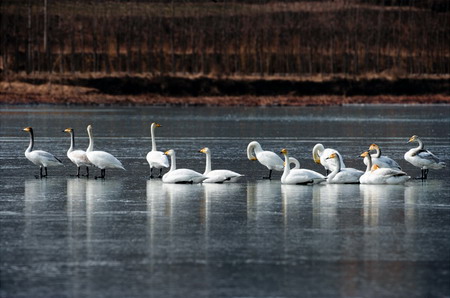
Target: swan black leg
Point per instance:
(270, 175)
(78, 172)
(425, 172)
(45, 170)
(102, 174)
(160, 173)
(151, 173)
(87, 171)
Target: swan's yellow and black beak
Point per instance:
(27, 129)
(167, 153)
(203, 150)
(332, 155)
(68, 130)
(412, 139)
(284, 151)
(373, 147)
(364, 154)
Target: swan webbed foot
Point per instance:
(102, 174)
(270, 175)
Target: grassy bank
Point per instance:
(203, 90)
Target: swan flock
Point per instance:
(380, 169)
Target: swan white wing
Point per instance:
(104, 160)
(303, 176)
(43, 158)
(384, 176)
(346, 175)
(79, 158)
(183, 176)
(218, 176)
(423, 159)
(383, 162)
(157, 159)
(271, 160)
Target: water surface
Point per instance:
(131, 236)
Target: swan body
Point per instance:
(175, 175)
(78, 157)
(41, 158)
(422, 158)
(101, 159)
(217, 176)
(320, 155)
(299, 176)
(267, 158)
(343, 175)
(381, 160)
(376, 175)
(156, 159)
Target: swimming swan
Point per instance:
(376, 175)
(101, 159)
(381, 160)
(217, 176)
(298, 176)
(175, 175)
(156, 159)
(267, 158)
(320, 155)
(342, 175)
(43, 159)
(78, 157)
(422, 158)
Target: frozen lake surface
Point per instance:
(129, 236)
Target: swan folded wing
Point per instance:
(183, 176)
(103, 160)
(218, 176)
(271, 160)
(79, 158)
(348, 176)
(427, 155)
(157, 159)
(303, 176)
(43, 157)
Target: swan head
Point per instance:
(89, 127)
(364, 154)
(284, 151)
(170, 152)
(374, 147)
(332, 155)
(28, 129)
(68, 130)
(154, 124)
(413, 138)
(375, 167)
(318, 148)
(204, 150)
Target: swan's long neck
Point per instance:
(208, 163)
(72, 142)
(378, 152)
(152, 131)
(30, 147)
(91, 141)
(287, 167)
(421, 146)
(173, 162)
(369, 162)
(253, 150)
(337, 169)
(317, 151)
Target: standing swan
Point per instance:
(217, 176)
(422, 158)
(342, 175)
(156, 159)
(298, 176)
(101, 159)
(320, 155)
(40, 158)
(381, 160)
(267, 158)
(377, 175)
(78, 157)
(175, 175)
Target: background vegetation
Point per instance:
(226, 37)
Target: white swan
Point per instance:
(175, 175)
(381, 160)
(422, 158)
(43, 159)
(320, 155)
(101, 159)
(298, 176)
(342, 175)
(267, 158)
(376, 175)
(217, 176)
(78, 157)
(156, 159)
